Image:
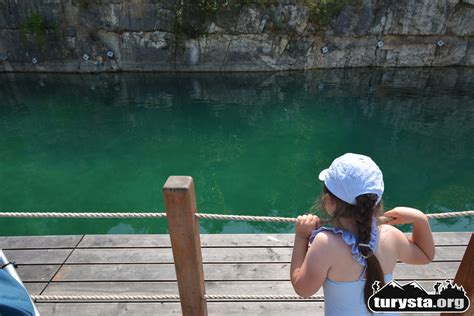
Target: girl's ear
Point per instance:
(329, 204)
(328, 199)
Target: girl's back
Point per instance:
(346, 277)
(345, 269)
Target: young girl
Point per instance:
(347, 258)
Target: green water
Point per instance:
(253, 142)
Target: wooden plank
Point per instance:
(35, 256)
(102, 288)
(128, 241)
(214, 308)
(232, 240)
(207, 240)
(35, 273)
(171, 288)
(449, 253)
(39, 242)
(35, 288)
(213, 255)
(286, 240)
(164, 255)
(217, 272)
(451, 238)
(183, 226)
(247, 240)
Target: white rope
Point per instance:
(83, 214)
(382, 219)
(450, 214)
(262, 297)
(247, 218)
(43, 298)
(104, 297)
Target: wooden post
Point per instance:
(180, 203)
(465, 276)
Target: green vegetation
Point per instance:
(191, 17)
(214, 5)
(321, 12)
(34, 27)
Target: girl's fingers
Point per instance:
(392, 214)
(395, 221)
(308, 220)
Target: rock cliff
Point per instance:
(233, 35)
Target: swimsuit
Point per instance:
(347, 298)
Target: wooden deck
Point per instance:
(143, 264)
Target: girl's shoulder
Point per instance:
(332, 238)
(391, 231)
(391, 235)
(328, 242)
(327, 236)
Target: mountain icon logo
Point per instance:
(412, 297)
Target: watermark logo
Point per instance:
(412, 297)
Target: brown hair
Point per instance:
(362, 215)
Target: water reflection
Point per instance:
(254, 142)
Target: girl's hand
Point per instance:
(305, 225)
(405, 215)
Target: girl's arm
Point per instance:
(300, 248)
(419, 248)
(308, 267)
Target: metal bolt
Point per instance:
(85, 57)
(440, 43)
(380, 44)
(325, 50)
(34, 60)
(110, 54)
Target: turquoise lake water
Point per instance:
(253, 142)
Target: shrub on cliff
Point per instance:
(34, 28)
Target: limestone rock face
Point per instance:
(162, 35)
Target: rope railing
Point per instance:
(138, 297)
(382, 219)
(83, 214)
(161, 298)
(181, 213)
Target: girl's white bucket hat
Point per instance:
(351, 175)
